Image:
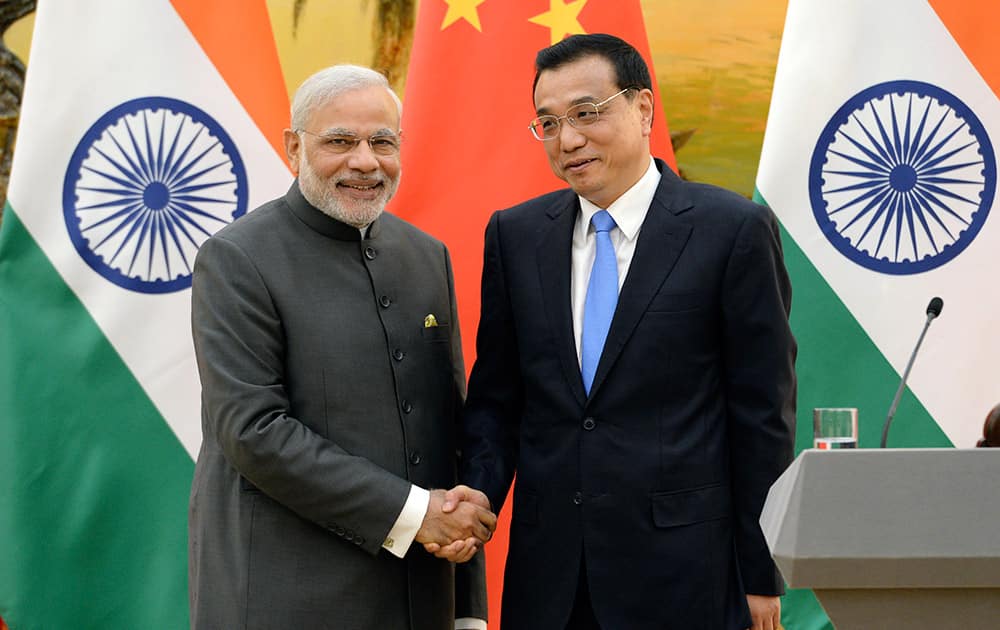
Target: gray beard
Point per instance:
(355, 213)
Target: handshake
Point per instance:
(458, 522)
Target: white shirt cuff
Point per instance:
(408, 523)
(470, 623)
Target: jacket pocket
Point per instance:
(687, 507)
(441, 332)
(676, 302)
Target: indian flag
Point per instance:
(146, 127)
(880, 161)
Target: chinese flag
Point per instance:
(467, 150)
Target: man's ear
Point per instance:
(645, 103)
(293, 148)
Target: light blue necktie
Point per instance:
(602, 297)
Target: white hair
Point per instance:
(330, 83)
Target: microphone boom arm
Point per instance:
(933, 310)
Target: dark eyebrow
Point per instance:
(583, 99)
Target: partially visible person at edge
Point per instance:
(635, 369)
(991, 429)
(332, 382)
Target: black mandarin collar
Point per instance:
(323, 223)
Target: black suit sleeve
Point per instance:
(493, 410)
(470, 588)
(760, 386)
(470, 577)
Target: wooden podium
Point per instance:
(897, 538)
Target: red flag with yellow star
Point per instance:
(467, 150)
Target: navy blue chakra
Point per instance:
(149, 182)
(902, 178)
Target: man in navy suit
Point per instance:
(645, 421)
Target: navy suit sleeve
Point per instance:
(760, 386)
(493, 409)
(470, 577)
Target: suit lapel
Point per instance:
(661, 241)
(554, 270)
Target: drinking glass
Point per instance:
(835, 428)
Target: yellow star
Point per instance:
(561, 18)
(464, 10)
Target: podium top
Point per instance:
(893, 518)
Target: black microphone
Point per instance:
(933, 310)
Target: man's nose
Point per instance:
(570, 137)
(362, 158)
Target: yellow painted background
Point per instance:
(714, 61)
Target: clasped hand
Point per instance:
(458, 522)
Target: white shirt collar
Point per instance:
(629, 210)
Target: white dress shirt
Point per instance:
(628, 211)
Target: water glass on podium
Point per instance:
(835, 428)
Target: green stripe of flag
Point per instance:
(93, 483)
(838, 365)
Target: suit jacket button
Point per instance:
(338, 530)
(397, 354)
(370, 253)
(358, 540)
(407, 407)
(589, 424)
(385, 301)
(415, 457)
(578, 498)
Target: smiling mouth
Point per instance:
(367, 186)
(577, 165)
(361, 190)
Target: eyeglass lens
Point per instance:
(580, 115)
(381, 144)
